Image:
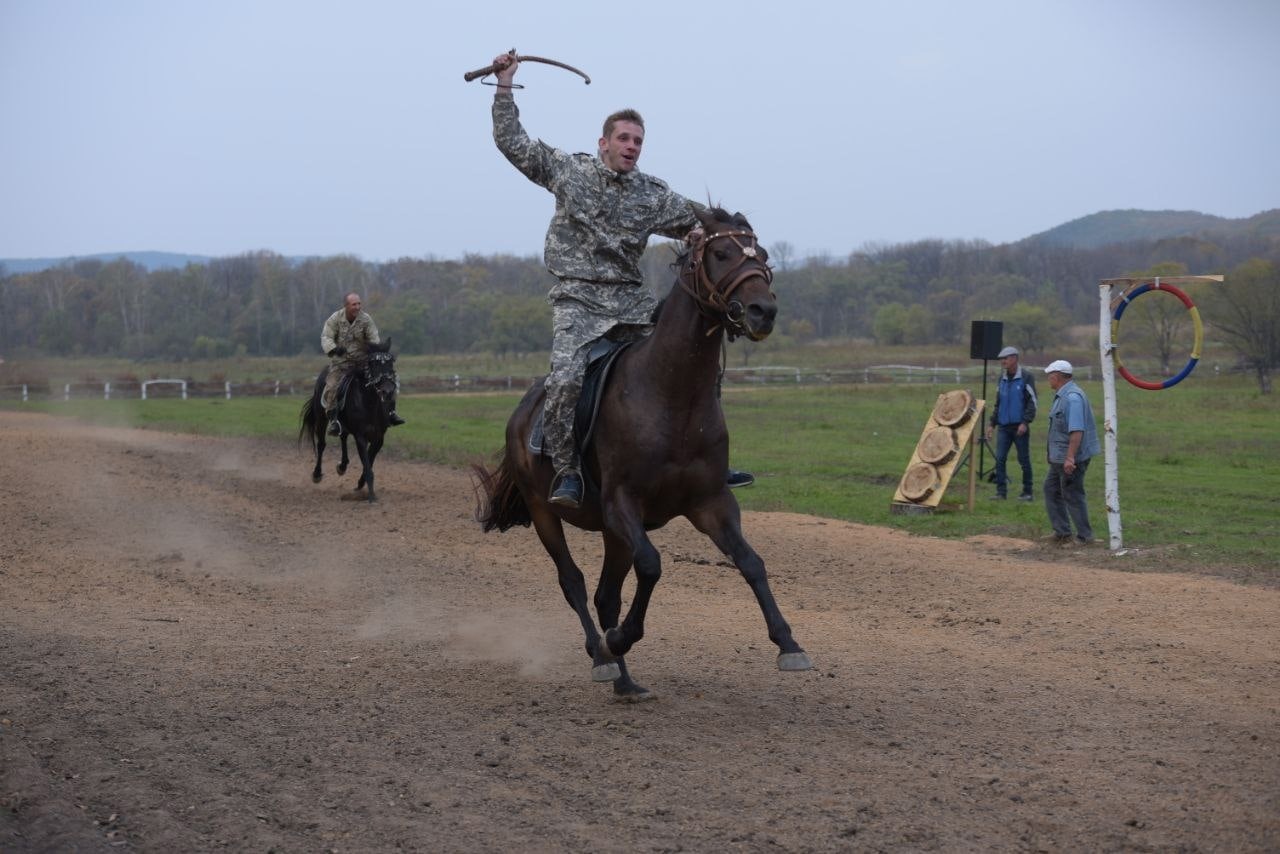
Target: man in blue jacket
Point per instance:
(1011, 417)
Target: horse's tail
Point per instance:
(307, 429)
(499, 504)
(312, 416)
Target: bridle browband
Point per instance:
(714, 298)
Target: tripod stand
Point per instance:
(984, 445)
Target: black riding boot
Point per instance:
(566, 489)
(740, 478)
(394, 419)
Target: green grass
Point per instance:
(1199, 464)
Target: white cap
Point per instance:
(1061, 366)
(1007, 351)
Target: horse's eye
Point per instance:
(721, 255)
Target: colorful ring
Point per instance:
(1195, 350)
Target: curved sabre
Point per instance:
(490, 69)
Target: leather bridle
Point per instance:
(715, 299)
(384, 374)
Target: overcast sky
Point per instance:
(309, 127)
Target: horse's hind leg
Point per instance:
(722, 523)
(574, 587)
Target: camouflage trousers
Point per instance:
(338, 368)
(576, 328)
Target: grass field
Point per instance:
(1199, 464)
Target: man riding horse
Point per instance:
(606, 211)
(345, 339)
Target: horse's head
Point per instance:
(380, 371)
(727, 273)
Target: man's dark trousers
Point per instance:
(1066, 502)
(1006, 435)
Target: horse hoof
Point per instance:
(342, 470)
(640, 695)
(606, 672)
(315, 478)
(794, 661)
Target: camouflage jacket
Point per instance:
(355, 335)
(603, 219)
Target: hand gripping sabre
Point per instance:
(490, 69)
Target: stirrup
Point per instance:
(566, 489)
(335, 427)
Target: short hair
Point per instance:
(627, 115)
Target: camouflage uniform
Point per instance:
(602, 223)
(356, 336)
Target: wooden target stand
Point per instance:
(955, 422)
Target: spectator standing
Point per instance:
(1011, 417)
(1072, 442)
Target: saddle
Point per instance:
(600, 360)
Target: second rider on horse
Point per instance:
(345, 339)
(606, 210)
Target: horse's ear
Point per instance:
(388, 343)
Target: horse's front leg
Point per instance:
(622, 520)
(722, 522)
(316, 473)
(366, 466)
(608, 601)
(345, 461)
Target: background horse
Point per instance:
(659, 450)
(368, 396)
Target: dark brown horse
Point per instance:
(659, 450)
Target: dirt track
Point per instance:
(190, 660)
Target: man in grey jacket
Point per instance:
(1072, 441)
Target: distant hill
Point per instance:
(150, 260)
(1107, 227)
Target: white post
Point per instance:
(1107, 353)
(184, 389)
(24, 393)
(66, 391)
(227, 387)
(106, 391)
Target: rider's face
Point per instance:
(353, 306)
(621, 150)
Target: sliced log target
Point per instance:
(953, 408)
(937, 446)
(919, 482)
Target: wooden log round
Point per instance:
(919, 482)
(953, 408)
(937, 445)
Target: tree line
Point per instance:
(922, 292)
